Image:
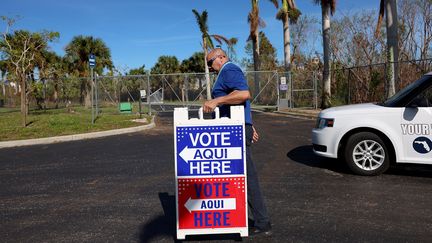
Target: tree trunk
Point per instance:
(87, 93)
(287, 43)
(82, 91)
(56, 95)
(207, 73)
(23, 101)
(87, 99)
(326, 93)
(392, 46)
(257, 64)
(3, 89)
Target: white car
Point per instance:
(369, 137)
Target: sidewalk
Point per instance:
(306, 113)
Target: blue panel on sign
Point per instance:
(209, 150)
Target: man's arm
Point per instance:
(233, 98)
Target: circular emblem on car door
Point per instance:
(422, 145)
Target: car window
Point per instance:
(428, 96)
(410, 93)
(424, 99)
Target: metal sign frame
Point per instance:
(92, 60)
(223, 211)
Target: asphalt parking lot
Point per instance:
(121, 189)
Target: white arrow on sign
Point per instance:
(210, 204)
(200, 154)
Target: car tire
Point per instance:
(366, 154)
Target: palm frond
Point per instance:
(332, 6)
(288, 8)
(201, 20)
(380, 18)
(275, 3)
(253, 20)
(280, 14)
(294, 15)
(233, 41)
(220, 39)
(261, 23)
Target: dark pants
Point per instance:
(255, 199)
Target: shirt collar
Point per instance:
(223, 67)
(217, 78)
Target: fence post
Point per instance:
(277, 90)
(92, 95)
(349, 87)
(187, 89)
(315, 83)
(386, 87)
(291, 92)
(97, 94)
(148, 94)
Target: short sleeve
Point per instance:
(234, 79)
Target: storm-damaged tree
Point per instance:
(255, 22)
(389, 7)
(231, 50)
(207, 42)
(21, 50)
(287, 13)
(328, 7)
(77, 55)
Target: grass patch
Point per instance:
(65, 121)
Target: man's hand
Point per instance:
(209, 106)
(255, 136)
(234, 98)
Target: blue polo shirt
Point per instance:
(231, 78)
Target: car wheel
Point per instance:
(366, 154)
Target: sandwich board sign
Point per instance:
(210, 171)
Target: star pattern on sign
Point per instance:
(181, 133)
(184, 184)
(236, 131)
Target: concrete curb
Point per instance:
(290, 114)
(74, 137)
(298, 115)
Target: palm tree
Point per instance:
(231, 51)
(255, 22)
(77, 54)
(390, 9)
(52, 68)
(288, 13)
(207, 42)
(327, 7)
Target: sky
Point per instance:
(139, 31)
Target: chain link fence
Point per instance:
(368, 83)
(301, 88)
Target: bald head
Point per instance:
(215, 52)
(216, 58)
